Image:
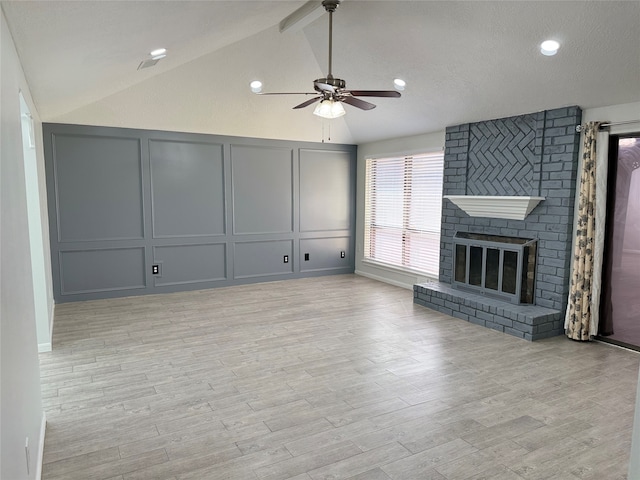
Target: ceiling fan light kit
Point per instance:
(329, 109)
(331, 92)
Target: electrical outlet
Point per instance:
(306, 257)
(286, 259)
(342, 254)
(27, 454)
(155, 269)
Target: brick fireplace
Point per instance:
(532, 155)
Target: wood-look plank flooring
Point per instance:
(336, 377)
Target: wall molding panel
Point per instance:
(187, 189)
(95, 270)
(190, 263)
(87, 167)
(263, 259)
(205, 210)
(263, 190)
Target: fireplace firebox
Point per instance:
(495, 266)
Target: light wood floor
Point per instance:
(337, 377)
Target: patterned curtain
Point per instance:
(578, 321)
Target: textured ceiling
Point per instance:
(463, 61)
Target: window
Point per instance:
(403, 205)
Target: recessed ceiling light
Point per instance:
(158, 51)
(256, 86)
(549, 47)
(399, 84)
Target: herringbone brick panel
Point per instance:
(501, 156)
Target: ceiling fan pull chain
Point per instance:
(328, 125)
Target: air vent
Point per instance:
(148, 63)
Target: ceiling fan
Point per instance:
(330, 91)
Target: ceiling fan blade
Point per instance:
(374, 93)
(307, 103)
(287, 93)
(356, 102)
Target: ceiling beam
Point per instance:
(302, 17)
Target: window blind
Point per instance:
(403, 206)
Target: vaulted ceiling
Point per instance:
(462, 61)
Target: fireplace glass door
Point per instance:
(492, 269)
(460, 265)
(509, 272)
(475, 266)
(503, 267)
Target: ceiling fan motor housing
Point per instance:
(330, 5)
(334, 82)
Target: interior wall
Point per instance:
(205, 210)
(627, 112)
(428, 142)
(40, 262)
(21, 416)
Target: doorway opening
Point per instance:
(36, 238)
(620, 302)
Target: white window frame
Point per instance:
(413, 218)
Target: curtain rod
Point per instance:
(607, 125)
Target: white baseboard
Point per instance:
(384, 280)
(52, 313)
(48, 346)
(43, 429)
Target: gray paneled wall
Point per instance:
(205, 210)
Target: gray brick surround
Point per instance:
(534, 154)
